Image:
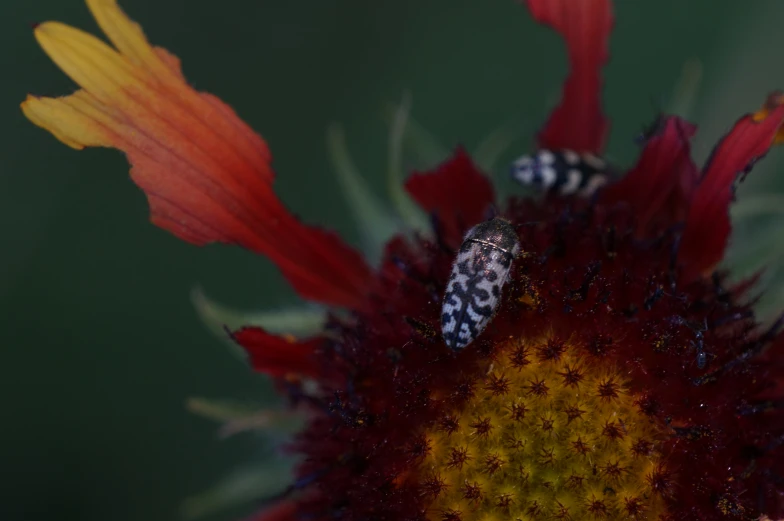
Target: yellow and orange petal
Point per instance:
(207, 175)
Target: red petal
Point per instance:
(285, 511)
(578, 122)
(708, 223)
(317, 264)
(216, 201)
(660, 185)
(278, 356)
(456, 192)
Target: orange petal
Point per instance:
(206, 174)
(774, 101)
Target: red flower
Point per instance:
(620, 378)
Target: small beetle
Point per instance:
(564, 171)
(479, 273)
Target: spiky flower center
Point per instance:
(547, 434)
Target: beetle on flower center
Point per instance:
(479, 273)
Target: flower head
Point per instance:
(621, 375)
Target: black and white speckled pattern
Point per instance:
(479, 273)
(564, 171)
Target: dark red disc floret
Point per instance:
(701, 366)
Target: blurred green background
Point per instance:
(100, 343)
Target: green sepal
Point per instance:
(376, 223)
(264, 481)
(237, 417)
(300, 322)
(399, 127)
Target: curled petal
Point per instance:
(661, 183)
(206, 174)
(277, 355)
(578, 122)
(707, 225)
(456, 192)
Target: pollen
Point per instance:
(549, 433)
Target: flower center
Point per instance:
(547, 434)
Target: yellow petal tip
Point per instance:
(64, 121)
(46, 28)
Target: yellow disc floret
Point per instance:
(545, 435)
